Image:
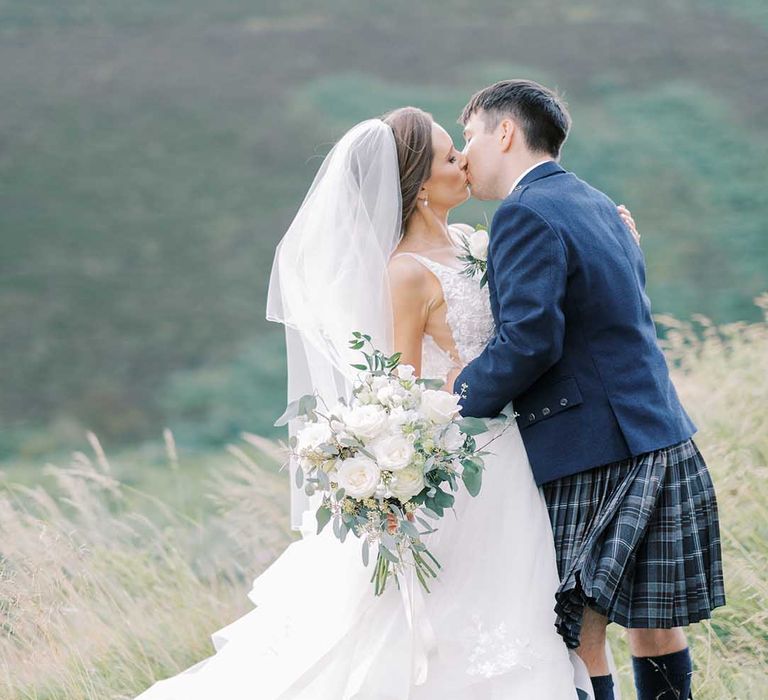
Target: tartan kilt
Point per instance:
(638, 541)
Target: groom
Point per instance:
(632, 505)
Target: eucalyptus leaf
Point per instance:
(472, 426)
(473, 480)
(291, 412)
(409, 528)
(307, 404)
(366, 552)
(389, 556)
(299, 477)
(388, 540)
(323, 515)
(431, 383)
(425, 524)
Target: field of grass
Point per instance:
(114, 571)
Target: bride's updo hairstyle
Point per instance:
(412, 128)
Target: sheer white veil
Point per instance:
(329, 275)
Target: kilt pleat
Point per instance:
(637, 541)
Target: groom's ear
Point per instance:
(507, 133)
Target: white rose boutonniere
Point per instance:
(475, 254)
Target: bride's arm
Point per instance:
(450, 379)
(411, 301)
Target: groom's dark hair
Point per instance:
(540, 112)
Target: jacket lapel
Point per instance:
(538, 173)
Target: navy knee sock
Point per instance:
(666, 677)
(603, 687)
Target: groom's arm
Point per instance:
(530, 270)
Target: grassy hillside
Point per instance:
(106, 587)
(151, 155)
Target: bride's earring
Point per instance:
(426, 201)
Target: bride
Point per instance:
(371, 250)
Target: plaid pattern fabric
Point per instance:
(637, 541)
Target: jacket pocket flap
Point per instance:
(547, 401)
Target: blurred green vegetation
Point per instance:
(152, 154)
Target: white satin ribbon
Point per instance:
(423, 638)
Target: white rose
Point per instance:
(439, 406)
(379, 382)
(365, 422)
(393, 452)
(405, 371)
(358, 476)
(407, 482)
(312, 436)
(478, 245)
(365, 396)
(385, 394)
(400, 416)
(453, 438)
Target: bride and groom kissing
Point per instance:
(596, 506)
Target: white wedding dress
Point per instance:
(485, 632)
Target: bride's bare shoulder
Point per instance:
(404, 270)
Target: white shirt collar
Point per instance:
(522, 175)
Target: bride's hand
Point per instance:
(626, 217)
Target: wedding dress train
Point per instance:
(484, 632)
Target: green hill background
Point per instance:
(152, 154)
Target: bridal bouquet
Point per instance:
(386, 460)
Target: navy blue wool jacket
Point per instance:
(575, 347)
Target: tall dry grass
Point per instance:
(721, 373)
(99, 596)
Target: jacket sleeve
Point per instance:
(530, 272)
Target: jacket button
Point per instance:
(531, 416)
(545, 411)
(563, 402)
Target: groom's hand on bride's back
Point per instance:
(626, 217)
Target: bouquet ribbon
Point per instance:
(424, 641)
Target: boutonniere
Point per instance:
(475, 256)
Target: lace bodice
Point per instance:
(468, 314)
